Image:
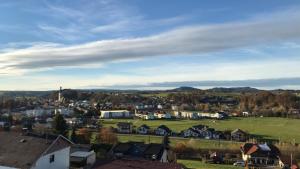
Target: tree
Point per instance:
(180, 147)
(73, 136)
(108, 136)
(166, 142)
(84, 136)
(59, 124)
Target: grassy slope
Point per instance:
(272, 128)
(195, 143)
(193, 164)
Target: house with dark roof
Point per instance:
(163, 130)
(140, 150)
(143, 129)
(190, 132)
(287, 162)
(124, 127)
(239, 135)
(33, 151)
(260, 155)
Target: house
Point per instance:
(245, 113)
(145, 115)
(186, 114)
(260, 155)
(286, 162)
(162, 115)
(143, 129)
(148, 116)
(219, 115)
(207, 133)
(137, 163)
(124, 127)
(33, 151)
(84, 159)
(110, 114)
(239, 135)
(139, 150)
(163, 130)
(190, 132)
(218, 135)
(82, 156)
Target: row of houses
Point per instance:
(199, 115)
(151, 115)
(197, 131)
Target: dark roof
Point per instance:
(154, 149)
(260, 150)
(165, 128)
(22, 151)
(81, 147)
(239, 131)
(138, 164)
(122, 148)
(145, 126)
(139, 149)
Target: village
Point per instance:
(81, 145)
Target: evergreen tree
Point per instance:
(166, 142)
(60, 125)
(73, 136)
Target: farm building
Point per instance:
(110, 114)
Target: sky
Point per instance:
(139, 44)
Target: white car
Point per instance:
(239, 164)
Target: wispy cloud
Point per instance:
(188, 40)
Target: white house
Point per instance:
(186, 114)
(107, 114)
(162, 115)
(34, 151)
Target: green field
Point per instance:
(193, 164)
(282, 129)
(195, 143)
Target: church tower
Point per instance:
(60, 94)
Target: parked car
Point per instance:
(239, 164)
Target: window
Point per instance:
(52, 157)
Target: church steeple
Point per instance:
(60, 94)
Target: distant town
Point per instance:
(225, 127)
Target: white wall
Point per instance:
(61, 160)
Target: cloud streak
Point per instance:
(190, 40)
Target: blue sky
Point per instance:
(118, 44)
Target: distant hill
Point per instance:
(24, 93)
(234, 89)
(184, 89)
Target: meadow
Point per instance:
(281, 129)
(194, 164)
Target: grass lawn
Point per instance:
(193, 164)
(195, 143)
(282, 129)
